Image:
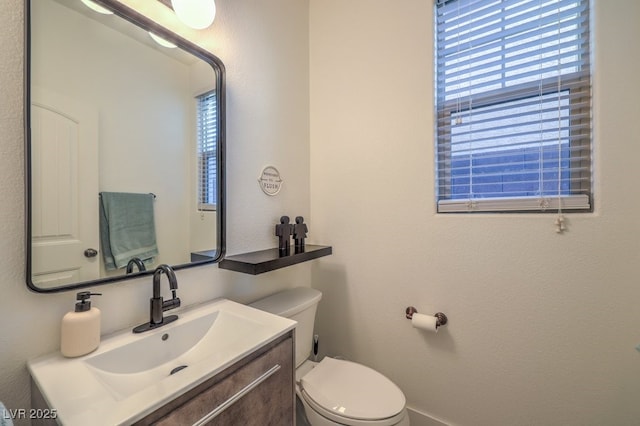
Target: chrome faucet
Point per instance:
(158, 305)
(137, 262)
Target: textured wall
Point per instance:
(543, 327)
(268, 123)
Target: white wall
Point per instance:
(265, 49)
(543, 327)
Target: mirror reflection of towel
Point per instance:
(127, 228)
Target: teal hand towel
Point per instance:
(127, 228)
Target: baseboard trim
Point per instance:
(419, 418)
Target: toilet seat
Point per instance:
(352, 394)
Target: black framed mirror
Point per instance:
(124, 146)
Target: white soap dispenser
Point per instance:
(80, 331)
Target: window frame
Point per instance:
(204, 153)
(577, 84)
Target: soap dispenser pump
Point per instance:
(80, 331)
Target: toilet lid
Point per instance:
(351, 390)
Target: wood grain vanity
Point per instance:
(258, 390)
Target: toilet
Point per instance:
(334, 391)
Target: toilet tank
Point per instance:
(298, 304)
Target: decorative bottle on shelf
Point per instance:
(80, 331)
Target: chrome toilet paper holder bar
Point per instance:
(441, 319)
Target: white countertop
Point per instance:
(79, 396)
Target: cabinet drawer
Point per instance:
(258, 390)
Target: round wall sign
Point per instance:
(270, 180)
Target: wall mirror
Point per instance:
(125, 142)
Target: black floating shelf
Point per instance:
(258, 262)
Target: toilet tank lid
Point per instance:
(288, 302)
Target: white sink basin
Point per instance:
(131, 375)
(153, 351)
(129, 368)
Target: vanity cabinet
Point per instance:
(258, 390)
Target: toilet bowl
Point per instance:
(334, 391)
(339, 392)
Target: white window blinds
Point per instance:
(513, 103)
(207, 136)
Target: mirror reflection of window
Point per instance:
(207, 141)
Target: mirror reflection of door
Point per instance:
(64, 138)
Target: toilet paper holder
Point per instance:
(441, 319)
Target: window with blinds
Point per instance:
(207, 136)
(513, 105)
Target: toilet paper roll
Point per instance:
(425, 322)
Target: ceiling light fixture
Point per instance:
(198, 14)
(162, 42)
(96, 7)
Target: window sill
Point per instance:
(511, 205)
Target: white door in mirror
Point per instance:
(64, 138)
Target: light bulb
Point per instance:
(197, 14)
(96, 7)
(162, 42)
